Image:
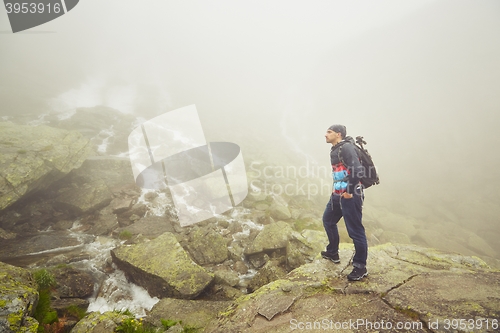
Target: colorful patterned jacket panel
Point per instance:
(345, 176)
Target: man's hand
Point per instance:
(346, 195)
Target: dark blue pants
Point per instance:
(351, 210)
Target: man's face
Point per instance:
(332, 137)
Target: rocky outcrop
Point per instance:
(108, 128)
(93, 185)
(18, 299)
(149, 226)
(33, 157)
(206, 246)
(411, 286)
(224, 275)
(82, 200)
(97, 322)
(280, 212)
(162, 267)
(6, 235)
(270, 272)
(22, 251)
(72, 283)
(273, 236)
(278, 239)
(196, 314)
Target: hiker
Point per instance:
(346, 200)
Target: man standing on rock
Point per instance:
(346, 200)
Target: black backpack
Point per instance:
(369, 176)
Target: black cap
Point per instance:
(339, 129)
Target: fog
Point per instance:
(419, 80)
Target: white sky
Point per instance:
(273, 70)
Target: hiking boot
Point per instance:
(357, 274)
(332, 257)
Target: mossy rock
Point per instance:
(406, 283)
(85, 199)
(206, 246)
(193, 313)
(97, 322)
(162, 267)
(279, 212)
(273, 236)
(270, 272)
(18, 297)
(34, 157)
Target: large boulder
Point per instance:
(206, 246)
(279, 237)
(97, 322)
(280, 212)
(33, 157)
(162, 267)
(273, 236)
(409, 285)
(86, 198)
(150, 226)
(95, 184)
(270, 272)
(72, 283)
(193, 313)
(18, 299)
(20, 250)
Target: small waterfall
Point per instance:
(116, 293)
(112, 291)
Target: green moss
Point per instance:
(125, 235)
(3, 303)
(76, 311)
(228, 311)
(43, 312)
(15, 319)
(301, 224)
(44, 278)
(408, 311)
(177, 268)
(125, 312)
(481, 263)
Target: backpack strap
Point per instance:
(339, 154)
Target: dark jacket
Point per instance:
(346, 175)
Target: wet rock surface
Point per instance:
(97, 322)
(18, 299)
(169, 272)
(72, 283)
(87, 198)
(207, 246)
(107, 128)
(149, 226)
(396, 291)
(193, 313)
(44, 245)
(32, 158)
(473, 295)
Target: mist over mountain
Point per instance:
(420, 81)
